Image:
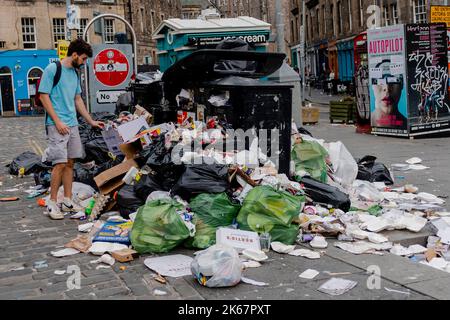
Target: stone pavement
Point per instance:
(27, 236)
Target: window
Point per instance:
(83, 24)
(109, 31)
(386, 15)
(420, 11)
(318, 21)
(339, 17)
(28, 33)
(394, 13)
(59, 30)
(361, 13)
(2, 44)
(292, 31)
(350, 22)
(141, 10)
(332, 19)
(162, 17)
(324, 21)
(152, 15)
(147, 60)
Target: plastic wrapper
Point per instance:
(198, 179)
(310, 157)
(211, 211)
(268, 210)
(158, 227)
(325, 194)
(217, 266)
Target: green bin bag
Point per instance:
(158, 227)
(211, 211)
(268, 210)
(310, 156)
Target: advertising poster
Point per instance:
(387, 80)
(427, 77)
(442, 14)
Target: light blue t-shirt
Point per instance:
(63, 94)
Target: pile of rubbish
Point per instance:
(144, 193)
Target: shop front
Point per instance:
(177, 38)
(19, 73)
(346, 64)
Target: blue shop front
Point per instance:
(346, 60)
(20, 71)
(177, 38)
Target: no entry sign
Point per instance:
(111, 67)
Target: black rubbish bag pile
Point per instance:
(372, 171)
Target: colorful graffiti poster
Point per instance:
(387, 80)
(426, 53)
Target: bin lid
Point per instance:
(234, 81)
(201, 65)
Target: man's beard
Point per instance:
(75, 64)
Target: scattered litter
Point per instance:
(7, 199)
(256, 255)
(106, 258)
(251, 264)
(418, 167)
(397, 291)
(99, 248)
(170, 266)
(281, 247)
(102, 267)
(309, 274)
(40, 264)
(85, 227)
(253, 282)
(64, 252)
(318, 242)
(122, 268)
(306, 253)
(59, 272)
(157, 292)
(12, 190)
(337, 286)
(414, 160)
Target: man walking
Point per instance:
(60, 94)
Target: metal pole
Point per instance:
(303, 50)
(280, 27)
(108, 15)
(67, 19)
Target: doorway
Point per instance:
(6, 92)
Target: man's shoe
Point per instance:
(69, 206)
(53, 210)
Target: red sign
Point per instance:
(111, 67)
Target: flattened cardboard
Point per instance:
(131, 149)
(111, 179)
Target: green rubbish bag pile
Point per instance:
(159, 225)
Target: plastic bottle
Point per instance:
(90, 206)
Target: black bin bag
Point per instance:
(198, 179)
(128, 201)
(325, 194)
(369, 170)
(146, 185)
(28, 160)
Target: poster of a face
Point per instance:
(388, 96)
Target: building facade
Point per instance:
(191, 9)
(145, 16)
(39, 24)
(331, 26)
(260, 9)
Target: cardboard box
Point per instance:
(124, 255)
(111, 179)
(310, 114)
(141, 112)
(238, 239)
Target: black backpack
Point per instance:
(37, 97)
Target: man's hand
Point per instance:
(97, 124)
(62, 128)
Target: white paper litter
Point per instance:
(414, 160)
(157, 292)
(400, 250)
(60, 272)
(309, 274)
(64, 252)
(337, 286)
(99, 248)
(253, 282)
(306, 253)
(106, 258)
(102, 266)
(397, 291)
(85, 227)
(418, 167)
(251, 264)
(444, 234)
(281, 247)
(176, 265)
(416, 249)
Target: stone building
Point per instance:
(145, 16)
(331, 26)
(259, 9)
(191, 9)
(39, 24)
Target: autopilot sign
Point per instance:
(111, 67)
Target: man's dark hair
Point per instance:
(80, 46)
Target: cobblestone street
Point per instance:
(27, 236)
